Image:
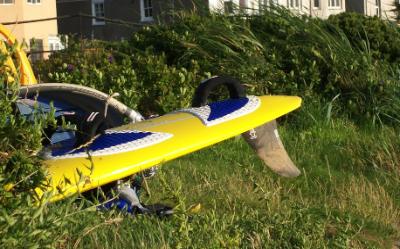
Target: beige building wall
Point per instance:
(305, 7)
(387, 9)
(381, 8)
(251, 6)
(11, 13)
(324, 10)
(21, 10)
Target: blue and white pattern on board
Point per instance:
(113, 142)
(221, 111)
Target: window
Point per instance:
(98, 11)
(335, 3)
(36, 49)
(55, 43)
(6, 1)
(228, 7)
(146, 10)
(317, 4)
(294, 4)
(33, 1)
(378, 8)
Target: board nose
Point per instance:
(268, 146)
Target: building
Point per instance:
(40, 36)
(232, 6)
(315, 8)
(380, 8)
(116, 19)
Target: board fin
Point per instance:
(268, 146)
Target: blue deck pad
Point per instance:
(113, 142)
(222, 108)
(222, 111)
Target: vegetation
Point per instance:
(23, 222)
(345, 138)
(382, 38)
(272, 53)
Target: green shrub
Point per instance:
(24, 221)
(143, 79)
(275, 52)
(320, 59)
(380, 36)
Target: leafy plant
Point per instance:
(381, 36)
(25, 221)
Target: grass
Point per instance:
(348, 195)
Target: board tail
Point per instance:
(269, 148)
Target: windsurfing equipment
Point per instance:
(118, 151)
(263, 139)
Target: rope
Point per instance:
(108, 20)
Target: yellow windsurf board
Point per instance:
(129, 149)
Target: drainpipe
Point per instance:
(380, 8)
(80, 25)
(365, 7)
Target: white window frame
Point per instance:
(36, 45)
(319, 4)
(377, 8)
(55, 42)
(337, 4)
(143, 16)
(294, 4)
(226, 7)
(94, 20)
(33, 2)
(2, 2)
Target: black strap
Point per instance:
(235, 88)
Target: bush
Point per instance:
(381, 37)
(276, 52)
(143, 79)
(25, 221)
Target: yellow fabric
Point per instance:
(26, 76)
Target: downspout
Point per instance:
(380, 8)
(365, 7)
